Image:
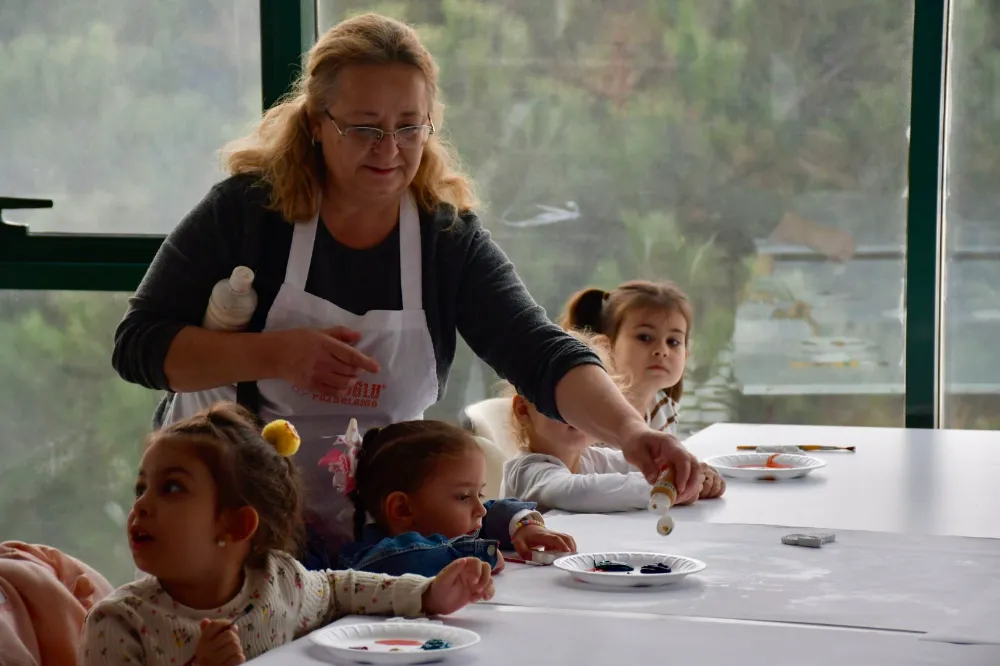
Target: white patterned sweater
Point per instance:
(140, 624)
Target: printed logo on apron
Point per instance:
(398, 339)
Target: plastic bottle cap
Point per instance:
(241, 279)
(665, 525)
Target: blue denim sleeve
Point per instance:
(414, 553)
(496, 523)
(315, 555)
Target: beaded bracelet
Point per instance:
(527, 520)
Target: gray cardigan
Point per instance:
(469, 287)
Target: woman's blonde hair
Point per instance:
(600, 345)
(281, 152)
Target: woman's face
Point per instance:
(388, 97)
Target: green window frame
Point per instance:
(288, 28)
(117, 263)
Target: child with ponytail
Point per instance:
(647, 327)
(417, 490)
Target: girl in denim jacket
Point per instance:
(417, 492)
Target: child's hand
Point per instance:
(219, 645)
(534, 536)
(714, 485)
(501, 563)
(462, 582)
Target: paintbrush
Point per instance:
(538, 557)
(804, 447)
(246, 611)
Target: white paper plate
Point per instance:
(344, 640)
(732, 465)
(580, 567)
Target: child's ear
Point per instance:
(520, 406)
(398, 512)
(241, 524)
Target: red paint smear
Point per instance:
(399, 641)
(770, 464)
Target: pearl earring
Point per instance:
(221, 543)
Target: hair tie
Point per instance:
(342, 459)
(590, 308)
(282, 436)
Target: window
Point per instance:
(116, 110)
(739, 148)
(73, 430)
(971, 314)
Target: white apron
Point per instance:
(397, 339)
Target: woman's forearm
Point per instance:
(199, 359)
(590, 401)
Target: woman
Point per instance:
(369, 259)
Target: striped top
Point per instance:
(662, 414)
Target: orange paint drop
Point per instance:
(770, 464)
(409, 642)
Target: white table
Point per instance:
(869, 580)
(513, 635)
(943, 482)
(912, 483)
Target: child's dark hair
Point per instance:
(248, 471)
(400, 457)
(603, 312)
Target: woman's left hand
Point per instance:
(537, 536)
(652, 451)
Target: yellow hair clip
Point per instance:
(282, 436)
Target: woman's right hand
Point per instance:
(321, 360)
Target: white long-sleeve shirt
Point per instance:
(605, 482)
(140, 625)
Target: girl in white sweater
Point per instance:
(560, 467)
(216, 514)
(646, 327)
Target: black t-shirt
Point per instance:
(469, 287)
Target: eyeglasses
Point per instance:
(369, 137)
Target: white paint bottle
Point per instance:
(232, 303)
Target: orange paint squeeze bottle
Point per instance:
(661, 498)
